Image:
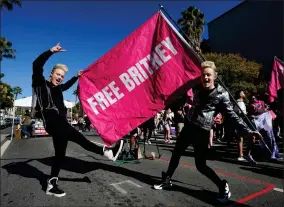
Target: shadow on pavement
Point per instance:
(276, 172)
(26, 170)
(81, 166)
(223, 154)
(206, 196)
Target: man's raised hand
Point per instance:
(79, 73)
(57, 48)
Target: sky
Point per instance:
(86, 29)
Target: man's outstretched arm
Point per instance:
(40, 61)
(38, 66)
(70, 82)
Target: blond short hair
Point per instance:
(60, 67)
(208, 64)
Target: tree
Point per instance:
(5, 49)
(6, 96)
(16, 91)
(9, 4)
(75, 93)
(77, 105)
(237, 73)
(192, 22)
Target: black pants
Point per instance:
(61, 132)
(199, 138)
(219, 131)
(87, 126)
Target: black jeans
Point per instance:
(61, 132)
(199, 138)
(219, 131)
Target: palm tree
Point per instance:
(5, 49)
(5, 46)
(77, 106)
(16, 91)
(192, 22)
(75, 93)
(9, 4)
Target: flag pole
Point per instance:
(219, 80)
(281, 61)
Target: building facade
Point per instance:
(253, 29)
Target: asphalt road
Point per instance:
(91, 180)
(6, 130)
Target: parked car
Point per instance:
(8, 121)
(2, 122)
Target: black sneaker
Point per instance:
(224, 192)
(52, 188)
(166, 183)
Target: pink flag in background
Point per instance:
(277, 80)
(137, 78)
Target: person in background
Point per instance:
(240, 96)
(148, 128)
(219, 127)
(277, 108)
(167, 121)
(179, 120)
(26, 124)
(81, 123)
(262, 118)
(87, 123)
(256, 107)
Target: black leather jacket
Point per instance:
(208, 103)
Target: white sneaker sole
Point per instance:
(159, 187)
(56, 195)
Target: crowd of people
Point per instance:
(82, 123)
(171, 123)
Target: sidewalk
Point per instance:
(5, 142)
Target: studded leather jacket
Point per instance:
(208, 103)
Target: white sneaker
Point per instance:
(241, 159)
(224, 192)
(108, 153)
(112, 153)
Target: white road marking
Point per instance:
(120, 189)
(5, 146)
(278, 189)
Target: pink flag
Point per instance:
(137, 78)
(277, 79)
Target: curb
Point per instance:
(5, 143)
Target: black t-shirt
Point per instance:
(179, 118)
